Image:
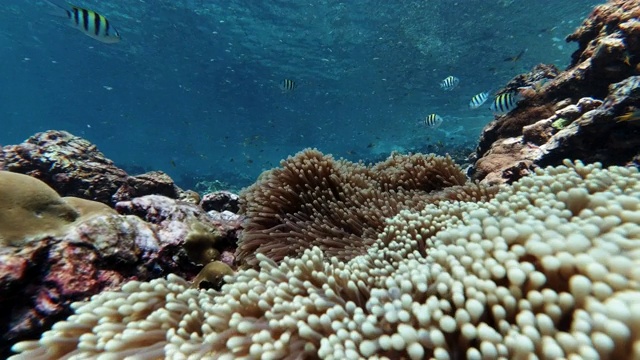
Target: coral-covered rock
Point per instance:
(221, 201)
(178, 219)
(153, 182)
(596, 135)
(565, 118)
(74, 167)
(40, 279)
(69, 164)
(77, 248)
(538, 133)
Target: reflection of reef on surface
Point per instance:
(601, 84)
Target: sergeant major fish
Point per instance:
(478, 99)
(449, 83)
(505, 102)
(287, 85)
(89, 22)
(433, 120)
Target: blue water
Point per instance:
(193, 87)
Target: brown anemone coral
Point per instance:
(548, 269)
(339, 206)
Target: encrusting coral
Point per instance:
(547, 269)
(339, 206)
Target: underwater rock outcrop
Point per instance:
(573, 114)
(58, 250)
(73, 166)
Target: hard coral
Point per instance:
(29, 207)
(314, 200)
(548, 268)
(212, 275)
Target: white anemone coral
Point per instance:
(547, 269)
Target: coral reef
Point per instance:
(546, 269)
(339, 206)
(55, 251)
(573, 114)
(74, 167)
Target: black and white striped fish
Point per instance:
(287, 85)
(449, 83)
(505, 102)
(90, 23)
(433, 120)
(478, 99)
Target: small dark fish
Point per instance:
(433, 120)
(505, 102)
(449, 83)
(287, 85)
(478, 99)
(90, 23)
(517, 57)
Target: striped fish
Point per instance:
(478, 99)
(505, 102)
(287, 85)
(433, 120)
(449, 83)
(90, 23)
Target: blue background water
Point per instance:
(193, 87)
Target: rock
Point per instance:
(69, 164)
(153, 182)
(73, 166)
(570, 112)
(565, 117)
(221, 201)
(539, 132)
(92, 250)
(177, 219)
(42, 278)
